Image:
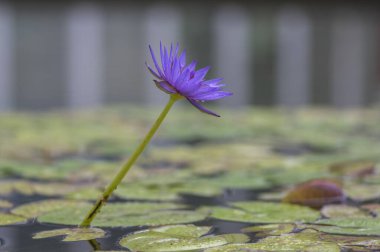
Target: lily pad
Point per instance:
(35, 209)
(270, 229)
(343, 211)
(366, 243)
(240, 180)
(72, 234)
(127, 214)
(350, 226)
(177, 238)
(304, 241)
(7, 219)
(170, 191)
(29, 188)
(362, 192)
(265, 212)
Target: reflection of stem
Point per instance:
(125, 168)
(95, 245)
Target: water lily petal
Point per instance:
(201, 108)
(166, 87)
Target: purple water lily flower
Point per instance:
(175, 77)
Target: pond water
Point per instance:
(260, 180)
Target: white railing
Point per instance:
(102, 50)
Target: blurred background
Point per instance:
(75, 54)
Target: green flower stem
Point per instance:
(125, 168)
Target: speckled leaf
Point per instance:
(127, 214)
(343, 211)
(351, 242)
(72, 234)
(7, 219)
(270, 229)
(42, 188)
(362, 191)
(31, 210)
(240, 179)
(350, 226)
(170, 191)
(265, 212)
(305, 241)
(89, 193)
(177, 238)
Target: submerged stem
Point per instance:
(125, 168)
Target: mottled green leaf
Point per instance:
(72, 234)
(350, 226)
(343, 211)
(34, 209)
(362, 191)
(7, 219)
(270, 229)
(127, 214)
(177, 238)
(265, 212)
(366, 243)
(305, 241)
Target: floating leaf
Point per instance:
(352, 242)
(240, 179)
(316, 193)
(304, 241)
(295, 174)
(31, 210)
(270, 229)
(350, 226)
(90, 193)
(170, 191)
(7, 219)
(362, 192)
(264, 212)
(343, 211)
(126, 214)
(177, 238)
(72, 234)
(29, 188)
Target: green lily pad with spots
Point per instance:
(366, 243)
(165, 191)
(72, 234)
(178, 238)
(34, 209)
(26, 187)
(361, 192)
(264, 212)
(305, 241)
(270, 229)
(60, 170)
(127, 214)
(343, 211)
(350, 226)
(240, 180)
(87, 193)
(8, 219)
